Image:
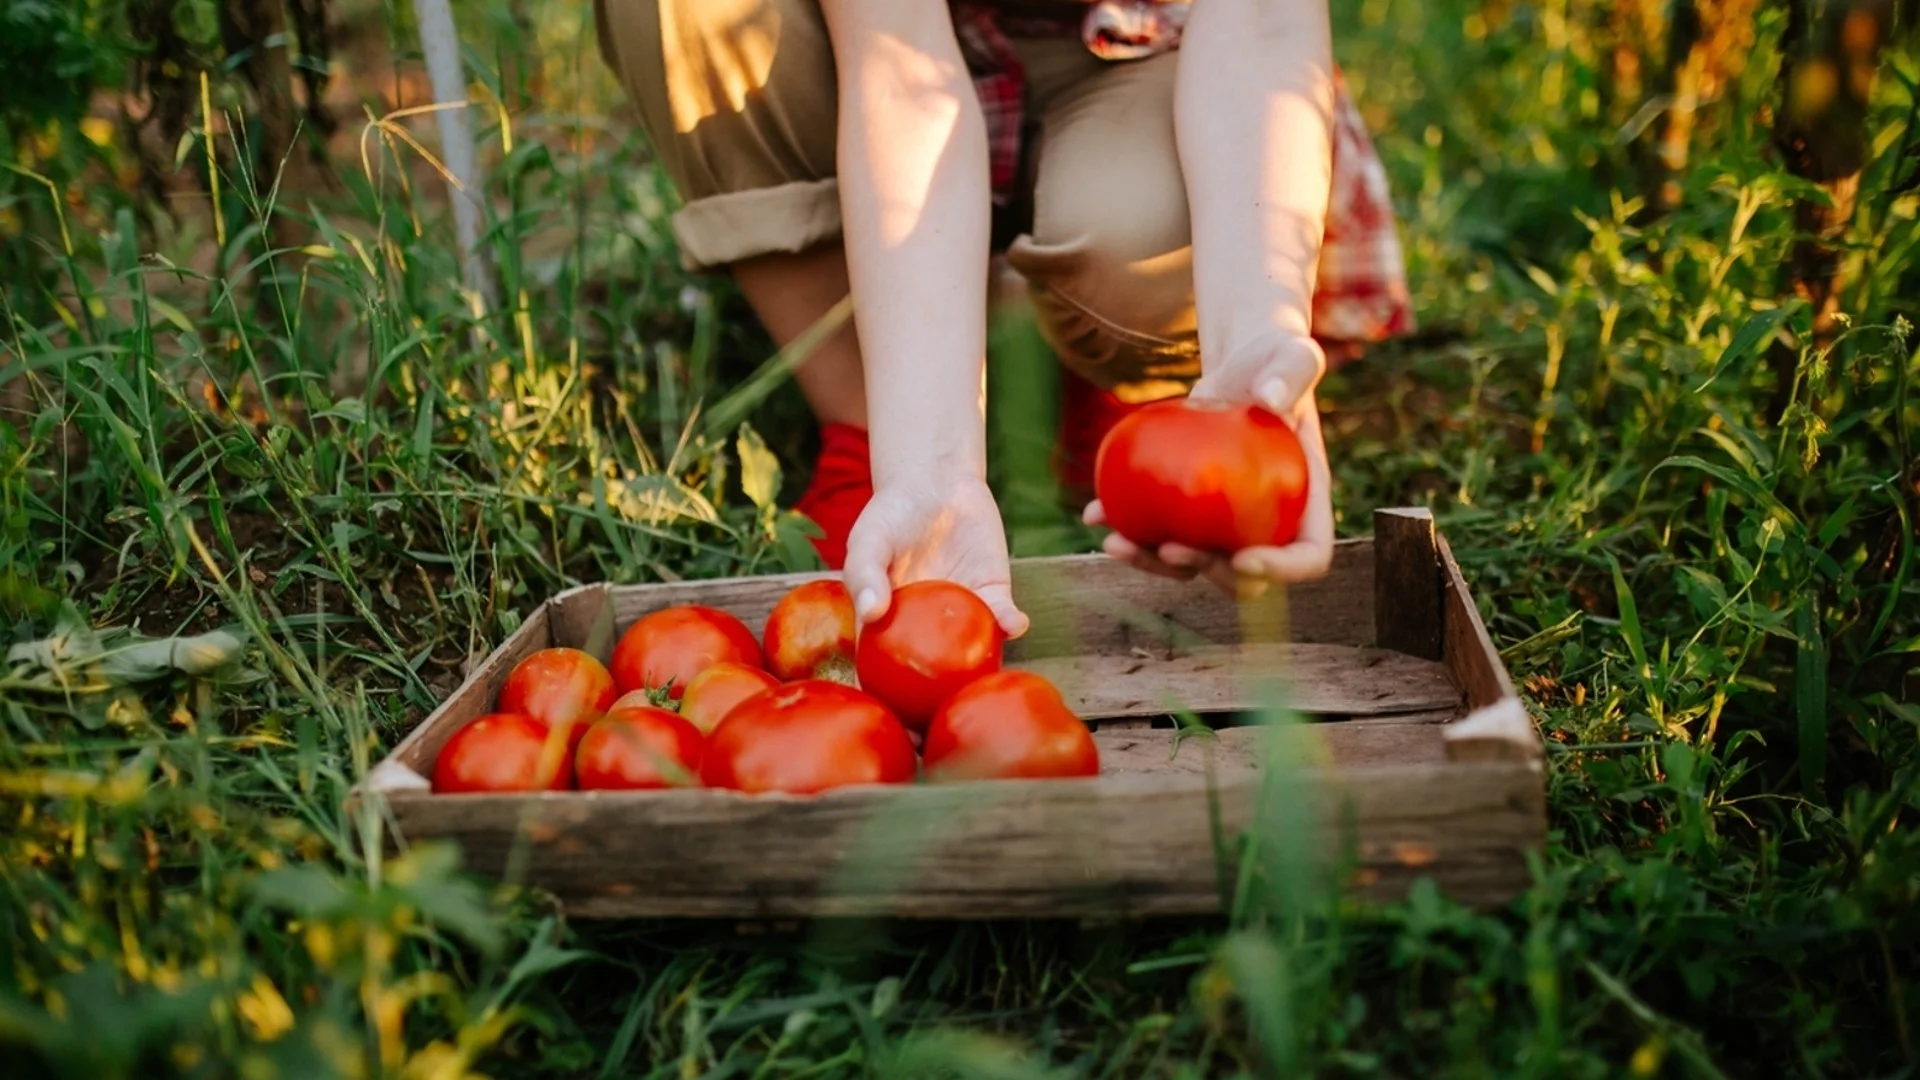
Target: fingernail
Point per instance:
(1273, 394)
(864, 606)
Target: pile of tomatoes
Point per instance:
(692, 698)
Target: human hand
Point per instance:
(1278, 373)
(931, 528)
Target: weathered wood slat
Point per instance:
(1090, 605)
(1230, 751)
(1117, 845)
(1406, 583)
(1469, 653)
(1497, 726)
(1326, 679)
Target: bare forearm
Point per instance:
(1253, 107)
(914, 193)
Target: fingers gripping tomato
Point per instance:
(807, 737)
(502, 752)
(669, 647)
(639, 748)
(1009, 725)
(1209, 475)
(810, 632)
(935, 638)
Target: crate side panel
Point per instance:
(1093, 605)
(1496, 725)
(1121, 845)
(582, 618)
(1407, 583)
(1338, 680)
(1468, 649)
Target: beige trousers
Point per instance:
(738, 99)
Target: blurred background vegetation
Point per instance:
(1660, 401)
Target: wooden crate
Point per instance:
(1421, 760)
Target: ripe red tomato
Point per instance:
(713, 693)
(631, 699)
(807, 737)
(640, 748)
(1009, 725)
(669, 647)
(502, 752)
(810, 633)
(1208, 475)
(935, 638)
(562, 688)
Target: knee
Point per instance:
(1116, 305)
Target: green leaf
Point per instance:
(173, 315)
(1810, 696)
(759, 469)
(423, 428)
(1264, 983)
(541, 957)
(1630, 621)
(428, 876)
(306, 891)
(655, 499)
(199, 654)
(1749, 337)
(1744, 484)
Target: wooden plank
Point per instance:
(1093, 605)
(1323, 679)
(1503, 731)
(1468, 650)
(1125, 845)
(1497, 727)
(1234, 750)
(579, 615)
(1406, 583)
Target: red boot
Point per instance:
(842, 484)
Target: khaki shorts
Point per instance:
(738, 98)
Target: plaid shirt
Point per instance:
(1361, 291)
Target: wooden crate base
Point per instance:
(1419, 761)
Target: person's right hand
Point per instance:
(1278, 374)
(931, 529)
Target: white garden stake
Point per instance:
(447, 81)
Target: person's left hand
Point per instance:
(1278, 373)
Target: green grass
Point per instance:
(1713, 608)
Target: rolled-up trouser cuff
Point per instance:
(719, 230)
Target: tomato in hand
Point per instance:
(637, 749)
(502, 752)
(713, 693)
(562, 688)
(1212, 476)
(1005, 726)
(810, 633)
(669, 647)
(807, 737)
(935, 638)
